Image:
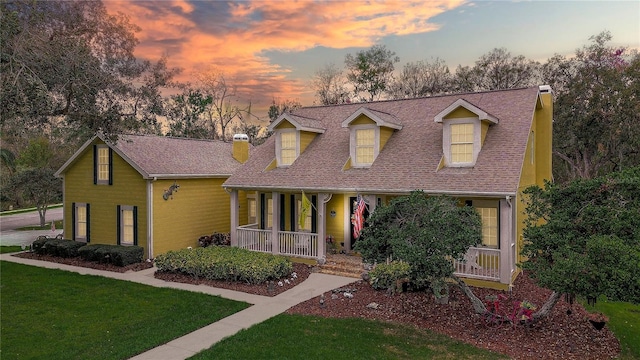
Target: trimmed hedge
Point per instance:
(113, 254)
(225, 263)
(57, 247)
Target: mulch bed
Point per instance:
(77, 261)
(561, 336)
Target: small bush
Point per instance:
(225, 263)
(217, 239)
(386, 276)
(112, 254)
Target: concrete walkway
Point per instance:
(263, 308)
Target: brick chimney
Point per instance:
(241, 147)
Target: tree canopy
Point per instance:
(424, 231)
(584, 238)
(371, 71)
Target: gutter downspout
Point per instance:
(150, 217)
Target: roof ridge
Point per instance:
(176, 138)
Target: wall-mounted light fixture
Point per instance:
(169, 192)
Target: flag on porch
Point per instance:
(358, 217)
(304, 210)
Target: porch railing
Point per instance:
(289, 243)
(479, 263)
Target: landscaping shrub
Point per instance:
(57, 247)
(218, 239)
(386, 276)
(225, 263)
(113, 254)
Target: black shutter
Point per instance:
(314, 221)
(95, 164)
(73, 221)
(118, 231)
(110, 166)
(88, 211)
(135, 225)
(292, 213)
(262, 212)
(282, 216)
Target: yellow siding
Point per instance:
(305, 139)
(285, 125)
(128, 189)
(200, 207)
(335, 224)
(484, 127)
(243, 211)
(362, 120)
(459, 113)
(385, 134)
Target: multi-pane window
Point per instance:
(251, 203)
(103, 164)
(127, 224)
(489, 226)
(365, 143)
(80, 222)
(269, 213)
(287, 148)
(461, 143)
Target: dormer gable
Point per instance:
(465, 127)
(293, 134)
(369, 132)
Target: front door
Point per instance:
(352, 206)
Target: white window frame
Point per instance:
(352, 142)
(446, 140)
(102, 174)
(252, 206)
(279, 146)
(77, 236)
(479, 205)
(123, 240)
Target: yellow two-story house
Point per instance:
(482, 148)
(160, 193)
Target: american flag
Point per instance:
(358, 217)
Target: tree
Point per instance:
(73, 60)
(371, 71)
(597, 110)
(424, 231)
(185, 114)
(329, 85)
(279, 107)
(421, 79)
(583, 238)
(37, 154)
(497, 70)
(38, 187)
(221, 112)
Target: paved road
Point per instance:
(11, 222)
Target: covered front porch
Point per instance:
(331, 219)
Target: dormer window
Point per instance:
(369, 132)
(293, 134)
(287, 147)
(464, 129)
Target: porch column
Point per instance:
(506, 241)
(234, 218)
(322, 224)
(275, 222)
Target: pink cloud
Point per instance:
(251, 28)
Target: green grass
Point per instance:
(46, 226)
(310, 337)
(10, 249)
(624, 321)
(53, 314)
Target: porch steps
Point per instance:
(343, 265)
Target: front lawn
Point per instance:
(624, 321)
(310, 337)
(10, 249)
(54, 314)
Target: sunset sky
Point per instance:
(270, 49)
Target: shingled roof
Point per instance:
(170, 157)
(410, 158)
